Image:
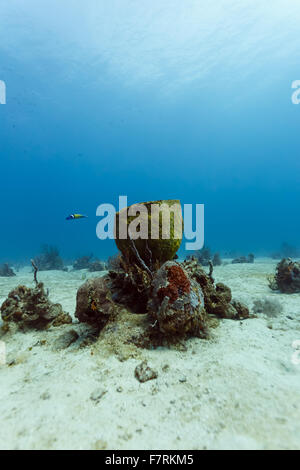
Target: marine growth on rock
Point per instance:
(287, 277)
(94, 304)
(177, 301)
(31, 307)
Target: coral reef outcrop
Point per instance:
(287, 277)
(177, 302)
(94, 304)
(130, 286)
(31, 308)
(6, 270)
(49, 259)
(180, 300)
(217, 297)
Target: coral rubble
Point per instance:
(287, 277)
(31, 307)
(143, 372)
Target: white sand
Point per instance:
(238, 390)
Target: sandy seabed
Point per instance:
(238, 390)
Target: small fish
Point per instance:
(76, 216)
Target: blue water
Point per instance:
(153, 100)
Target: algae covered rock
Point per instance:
(217, 297)
(130, 286)
(31, 307)
(287, 277)
(143, 372)
(94, 304)
(160, 221)
(177, 302)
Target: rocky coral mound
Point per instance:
(176, 302)
(287, 277)
(180, 300)
(177, 299)
(31, 307)
(94, 304)
(217, 297)
(131, 286)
